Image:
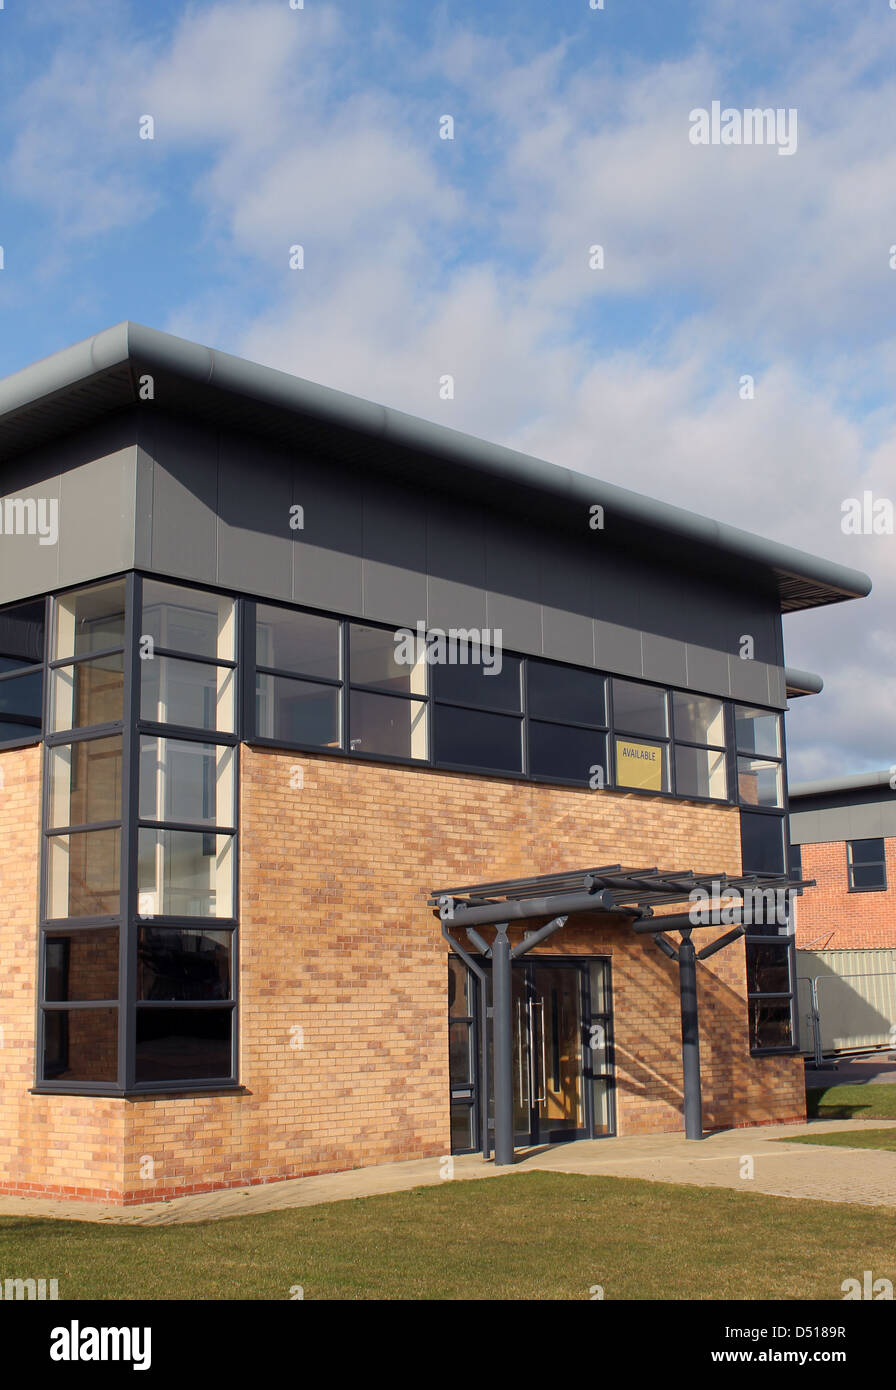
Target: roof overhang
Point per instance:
(101, 375)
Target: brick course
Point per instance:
(343, 1014)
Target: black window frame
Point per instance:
(132, 727)
(37, 668)
(852, 864)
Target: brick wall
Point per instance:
(830, 918)
(64, 1144)
(344, 1052)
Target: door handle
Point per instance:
(520, 1050)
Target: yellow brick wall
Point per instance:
(67, 1144)
(343, 1055)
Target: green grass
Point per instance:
(851, 1139)
(526, 1236)
(852, 1103)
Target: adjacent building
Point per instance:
(289, 683)
(843, 836)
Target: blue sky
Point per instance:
(423, 256)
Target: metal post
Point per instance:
(690, 1038)
(502, 1045)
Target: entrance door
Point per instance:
(549, 1062)
(562, 1021)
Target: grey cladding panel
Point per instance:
(327, 554)
(617, 649)
(455, 605)
(185, 498)
(749, 680)
(665, 660)
(255, 539)
(96, 517)
(455, 542)
(394, 565)
(568, 636)
(707, 670)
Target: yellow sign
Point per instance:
(639, 765)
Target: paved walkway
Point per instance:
(874, 1070)
(864, 1176)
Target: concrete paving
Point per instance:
(863, 1176)
(879, 1069)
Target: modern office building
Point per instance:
(309, 712)
(843, 836)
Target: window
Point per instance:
(701, 766)
(187, 822)
(298, 688)
(760, 789)
(385, 674)
(640, 710)
(866, 865)
(176, 748)
(86, 658)
(21, 672)
(462, 989)
(762, 843)
(478, 715)
(771, 971)
(567, 711)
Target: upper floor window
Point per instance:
(641, 711)
(86, 658)
(760, 780)
(21, 672)
(866, 865)
(188, 670)
(701, 767)
(478, 714)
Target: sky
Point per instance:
(321, 126)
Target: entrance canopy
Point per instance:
(611, 888)
(742, 902)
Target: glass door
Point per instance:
(556, 1050)
(562, 1028)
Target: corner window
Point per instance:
(21, 672)
(866, 865)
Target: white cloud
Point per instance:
(425, 257)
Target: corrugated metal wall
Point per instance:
(856, 992)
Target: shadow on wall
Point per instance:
(736, 1087)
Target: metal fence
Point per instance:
(847, 1001)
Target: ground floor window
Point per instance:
(562, 1052)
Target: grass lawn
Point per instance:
(526, 1236)
(851, 1139)
(852, 1103)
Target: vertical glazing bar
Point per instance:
(130, 766)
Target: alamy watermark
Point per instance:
(753, 126)
(720, 906)
(38, 1289)
(30, 516)
(454, 646)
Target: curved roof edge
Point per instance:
(803, 580)
(802, 682)
(831, 785)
